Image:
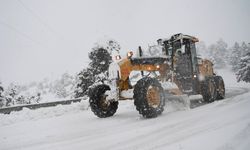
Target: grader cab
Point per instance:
(178, 71)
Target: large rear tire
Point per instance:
(220, 87)
(98, 103)
(149, 97)
(208, 90)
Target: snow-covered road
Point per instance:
(222, 125)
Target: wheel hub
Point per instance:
(104, 103)
(153, 97)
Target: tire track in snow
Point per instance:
(234, 91)
(184, 125)
(150, 137)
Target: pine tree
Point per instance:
(1, 96)
(97, 71)
(11, 93)
(63, 87)
(85, 80)
(243, 73)
(1, 89)
(202, 49)
(235, 56)
(113, 46)
(100, 60)
(219, 53)
(244, 49)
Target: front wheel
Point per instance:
(149, 97)
(99, 104)
(220, 87)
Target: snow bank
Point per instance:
(41, 113)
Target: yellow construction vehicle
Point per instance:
(178, 71)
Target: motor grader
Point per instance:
(178, 71)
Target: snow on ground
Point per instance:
(222, 125)
(28, 115)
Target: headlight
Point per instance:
(118, 57)
(130, 54)
(157, 66)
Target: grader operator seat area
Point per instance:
(184, 68)
(181, 48)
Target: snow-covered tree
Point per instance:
(237, 52)
(100, 60)
(35, 98)
(85, 80)
(64, 87)
(44, 87)
(11, 94)
(243, 73)
(1, 89)
(101, 57)
(17, 94)
(235, 56)
(218, 53)
(111, 45)
(202, 49)
(244, 49)
(2, 100)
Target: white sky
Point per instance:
(45, 38)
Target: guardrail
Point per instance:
(7, 110)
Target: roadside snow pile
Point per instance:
(41, 113)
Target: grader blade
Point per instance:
(182, 102)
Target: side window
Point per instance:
(194, 57)
(170, 51)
